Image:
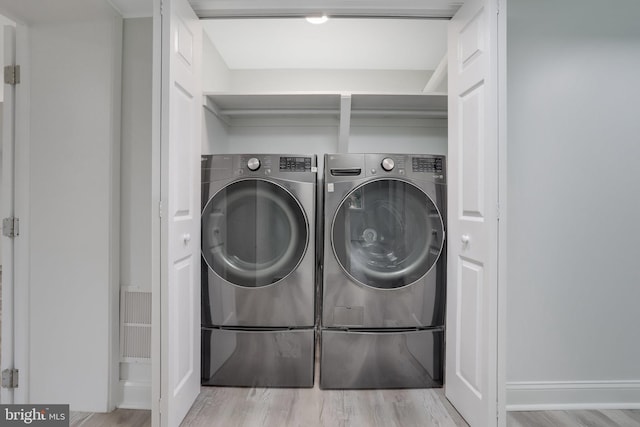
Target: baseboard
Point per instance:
(573, 395)
(135, 395)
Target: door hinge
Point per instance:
(10, 378)
(12, 74)
(160, 208)
(11, 227)
(498, 211)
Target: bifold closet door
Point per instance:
(472, 275)
(180, 145)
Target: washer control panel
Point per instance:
(431, 167)
(295, 164)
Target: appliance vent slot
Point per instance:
(135, 325)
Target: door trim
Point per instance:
(22, 209)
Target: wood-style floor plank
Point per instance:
(248, 407)
(258, 407)
(117, 418)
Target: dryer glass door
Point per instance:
(254, 233)
(387, 234)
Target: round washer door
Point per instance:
(254, 233)
(387, 234)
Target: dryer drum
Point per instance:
(387, 234)
(254, 233)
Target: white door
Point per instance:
(7, 210)
(470, 381)
(181, 110)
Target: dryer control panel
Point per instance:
(427, 164)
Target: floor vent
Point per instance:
(135, 325)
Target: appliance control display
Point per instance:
(295, 164)
(427, 164)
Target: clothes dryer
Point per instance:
(258, 269)
(383, 297)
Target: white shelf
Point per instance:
(238, 104)
(229, 105)
(418, 105)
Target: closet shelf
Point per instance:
(227, 105)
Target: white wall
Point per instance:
(216, 76)
(135, 233)
(398, 135)
(377, 81)
(573, 204)
(74, 211)
(136, 226)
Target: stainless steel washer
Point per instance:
(383, 297)
(258, 269)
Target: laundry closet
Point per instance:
(279, 95)
(299, 115)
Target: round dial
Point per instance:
(388, 164)
(253, 164)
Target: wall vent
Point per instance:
(135, 325)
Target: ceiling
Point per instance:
(39, 11)
(226, 8)
(288, 43)
(339, 44)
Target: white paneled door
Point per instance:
(180, 141)
(471, 367)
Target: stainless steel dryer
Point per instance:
(383, 298)
(258, 270)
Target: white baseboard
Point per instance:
(135, 395)
(573, 395)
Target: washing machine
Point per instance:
(258, 270)
(384, 276)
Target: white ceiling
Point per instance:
(39, 11)
(252, 8)
(287, 43)
(133, 8)
(341, 43)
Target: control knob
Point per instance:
(388, 164)
(253, 164)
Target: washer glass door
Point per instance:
(387, 234)
(254, 233)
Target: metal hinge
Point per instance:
(10, 378)
(12, 74)
(11, 227)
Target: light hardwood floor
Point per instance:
(260, 407)
(248, 407)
